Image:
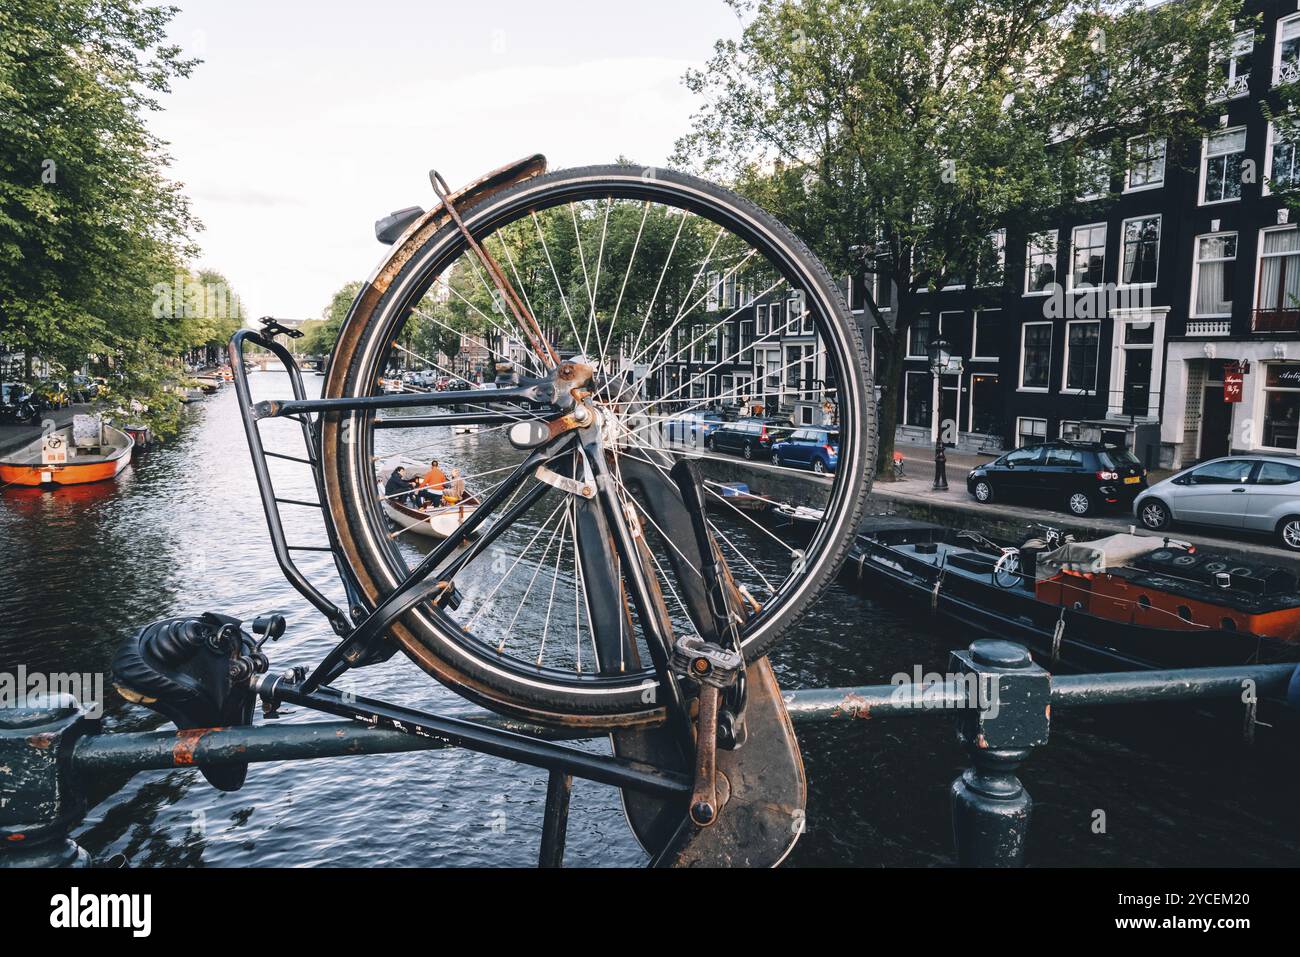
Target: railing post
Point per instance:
(40, 802)
(1008, 712)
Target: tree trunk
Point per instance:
(891, 383)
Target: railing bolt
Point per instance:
(1007, 715)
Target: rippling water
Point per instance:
(182, 532)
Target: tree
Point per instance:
(908, 131)
(320, 338)
(89, 222)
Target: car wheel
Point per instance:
(776, 459)
(1288, 531)
(983, 491)
(819, 467)
(1079, 503)
(1154, 514)
(749, 451)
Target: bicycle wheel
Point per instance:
(654, 283)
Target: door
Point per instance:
(949, 411)
(1274, 495)
(1216, 423)
(1215, 493)
(1137, 381)
(1060, 472)
(1017, 476)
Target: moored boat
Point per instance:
(1124, 602)
(87, 450)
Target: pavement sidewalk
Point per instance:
(14, 437)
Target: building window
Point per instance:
(747, 340)
(953, 329)
(985, 345)
(1088, 256)
(1230, 77)
(760, 320)
(1146, 162)
(1030, 431)
(776, 319)
(1286, 54)
(985, 404)
(1141, 250)
(1213, 275)
(993, 260)
(1040, 263)
(1279, 270)
(918, 338)
(1282, 171)
(697, 343)
(715, 292)
(1282, 406)
(1081, 347)
(916, 406)
(1035, 355)
(1221, 166)
(1093, 175)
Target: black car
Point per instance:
(1082, 477)
(748, 437)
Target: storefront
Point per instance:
(1232, 396)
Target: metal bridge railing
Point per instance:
(1001, 700)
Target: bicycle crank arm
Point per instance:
(704, 798)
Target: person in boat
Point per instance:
(432, 487)
(398, 485)
(456, 490)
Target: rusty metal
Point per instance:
(704, 798)
(527, 323)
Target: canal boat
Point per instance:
(736, 495)
(1124, 602)
(85, 450)
(435, 521)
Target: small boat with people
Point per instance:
(86, 450)
(428, 503)
(1122, 602)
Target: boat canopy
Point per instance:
(1089, 558)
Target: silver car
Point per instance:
(1253, 493)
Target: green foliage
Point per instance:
(89, 223)
(321, 336)
(911, 129)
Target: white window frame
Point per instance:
(1123, 229)
(1239, 48)
(1020, 430)
(1020, 378)
(907, 392)
(1120, 347)
(1065, 363)
(999, 237)
(1260, 404)
(1104, 153)
(1259, 267)
(975, 336)
(956, 317)
(760, 320)
(1285, 24)
(1128, 163)
(1032, 243)
(1271, 140)
(1105, 237)
(1196, 272)
(970, 403)
(1205, 164)
(930, 335)
(714, 297)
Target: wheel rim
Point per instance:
(1154, 516)
(818, 467)
(366, 365)
(1291, 533)
(982, 491)
(1079, 503)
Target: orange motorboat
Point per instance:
(88, 450)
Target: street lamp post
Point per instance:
(940, 353)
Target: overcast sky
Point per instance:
(308, 121)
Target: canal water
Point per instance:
(182, 532)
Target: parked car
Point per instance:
(691, 428)
(1252, 493)
(1081, 477)
(816, 449)
(748, 437)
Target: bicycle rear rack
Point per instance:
(339, 619)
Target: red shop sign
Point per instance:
(1232, 386)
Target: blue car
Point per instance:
(692, 428)
(816, 449)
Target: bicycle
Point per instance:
(658, 598)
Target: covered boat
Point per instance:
(87, 450)
(1121, 603)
